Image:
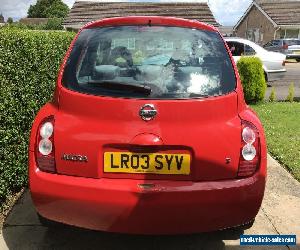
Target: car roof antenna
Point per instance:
(149, 22)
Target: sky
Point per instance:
(226, 12)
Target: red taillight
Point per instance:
(45, 145)
(285, 46)
(250, 150)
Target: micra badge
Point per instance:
(71, 157)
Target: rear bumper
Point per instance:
(170, 207)
(276, 75)
(293, 56)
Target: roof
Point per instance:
(83, 12)
(279, 12)
(282, 12)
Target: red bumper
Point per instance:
(120, 205)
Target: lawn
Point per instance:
(281, 121)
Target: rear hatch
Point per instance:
(146, 103)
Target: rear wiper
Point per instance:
(113, 85)
(195, 95)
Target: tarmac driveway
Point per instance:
(280, 214)
(282, 86)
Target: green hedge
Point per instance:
(29, 62)
(252, 78)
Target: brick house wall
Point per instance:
(256, 27)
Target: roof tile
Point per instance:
(83, 12)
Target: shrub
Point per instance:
(272, 97)
(291, 94)
(53, 24)
(10, 20)
(252, 78)
(29, 62)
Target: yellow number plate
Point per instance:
(145, 163)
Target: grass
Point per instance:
(281, 121)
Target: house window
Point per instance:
(292, 33)
(129, 43)
(160, 45)
(253, 35)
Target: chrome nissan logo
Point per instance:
(148, 112)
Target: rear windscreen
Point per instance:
(292, 42)
(149, 62)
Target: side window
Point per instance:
(237, 49)
(291, 42)
(268, 44)
(249, 51)
(276, 42)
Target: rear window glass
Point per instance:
(292, 42)
(149, 62)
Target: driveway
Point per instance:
(282, 86)
(280, 214)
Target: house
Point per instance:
(226, 30)
(266, 20)
(83, 12)
(2, 22)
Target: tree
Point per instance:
(10, 20)
(48, 9)
(53, 24)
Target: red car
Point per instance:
(148, 133)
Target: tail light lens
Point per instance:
(45, 146)
(285, 46)
(250, 150)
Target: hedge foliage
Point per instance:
(252, 77)
(29, 62)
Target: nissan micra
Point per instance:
(147, 133)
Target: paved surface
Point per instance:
(280, 214)
(282, 86)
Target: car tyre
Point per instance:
(266, 77)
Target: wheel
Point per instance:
(298, 59)
(266, 77)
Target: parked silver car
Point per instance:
(273, 62)
(289, 47)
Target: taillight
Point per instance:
(283, 63)
(45, 145)
(250, 150)
(285, 46)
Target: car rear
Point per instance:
(292, 49)
(148, 133)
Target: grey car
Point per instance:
(290, 47)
